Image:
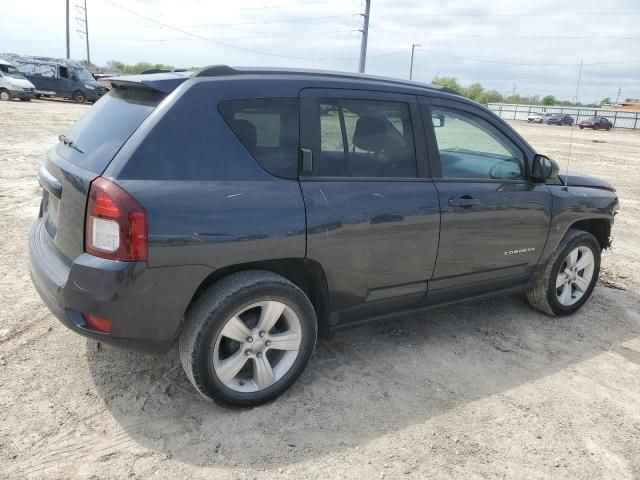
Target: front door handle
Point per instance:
(465, 201)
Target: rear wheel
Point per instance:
(5, 96)
(248, 338)
(79, 97)
(596, 127)
(569, 276)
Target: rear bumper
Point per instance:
(145, 305)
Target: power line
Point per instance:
(229, 45)
(292, 5)
(262, 22)
(500, 62)
(211, 40)
(482, 35)
(278, 35)
(548, 14)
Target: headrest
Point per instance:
(247, 133)
(370, 134)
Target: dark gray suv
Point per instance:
(243, 212)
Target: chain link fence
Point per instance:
(619, 118)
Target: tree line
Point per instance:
(478, 93)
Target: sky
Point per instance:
(530, 46)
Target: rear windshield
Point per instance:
(106, 126)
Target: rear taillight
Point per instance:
(115, 225)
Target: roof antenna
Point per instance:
(575, 101)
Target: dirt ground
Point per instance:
(483, 390)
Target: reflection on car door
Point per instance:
(372, 212)
(494, 220)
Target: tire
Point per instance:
(546, 295)
(204, 347)
(581, 127)
(5, 96)
(79, 97)
(596, 127)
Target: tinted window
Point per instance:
(268, 129)
(470, 147)
(102, 131)
(365, 138)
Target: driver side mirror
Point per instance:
(544, 168)
(438, 120)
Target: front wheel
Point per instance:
(248, 338)
(569, 276)
(5, 96)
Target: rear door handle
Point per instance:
(465, 201)
(307, 161)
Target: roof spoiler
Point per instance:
(157, 82)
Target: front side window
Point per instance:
(472, 148)
(268, 129)
(11, 71)
(365, 138)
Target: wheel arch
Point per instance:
(598, 227)
(308, 275)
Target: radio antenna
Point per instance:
(575, 101)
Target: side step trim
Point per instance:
(411, 311)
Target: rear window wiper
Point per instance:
(69, 143)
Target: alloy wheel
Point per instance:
(257, 346)
(575, 275)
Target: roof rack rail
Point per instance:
(226, 70)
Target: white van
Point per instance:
(13, 83)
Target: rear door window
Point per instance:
(365, 138)
(106, 127)
(268, 129)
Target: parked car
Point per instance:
(596, 123)
(58, 77)
(13, 83)
(239, 215)
(560, 119)
(538, 117)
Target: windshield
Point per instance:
(11, 71)
(83, 75)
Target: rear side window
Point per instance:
(268, 129)
(365, 138)
(106, 126)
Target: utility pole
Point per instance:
(413, 47)
(84, 32)
(618, 97)
(365, 35)
(86, 27)
(67, 21)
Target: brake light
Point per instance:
(115, 225)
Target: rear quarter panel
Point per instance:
(208, 201)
